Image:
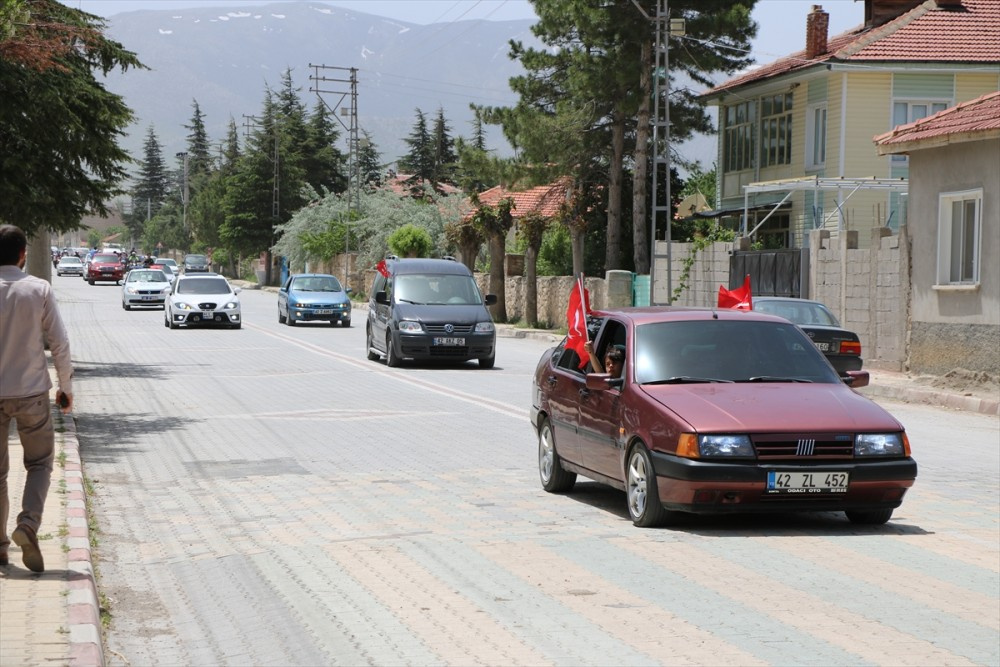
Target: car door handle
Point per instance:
(584, 392)
(551, 380)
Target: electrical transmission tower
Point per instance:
(321, 83)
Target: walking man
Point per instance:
(28, 312)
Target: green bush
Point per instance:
(410, 241)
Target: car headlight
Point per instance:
(232, 305)
(347, 306)
(879, 444)
(484, 327)
(409, 326)
(693, 446)
(180, 305)
(130, 290)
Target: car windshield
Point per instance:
(70, 260)
(195, 259)
(113, 259)
(203, 286)
(800, 312)
(727, 351)
(147, 277)
(437, 289)
(316, 284)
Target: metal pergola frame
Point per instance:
(816, 184)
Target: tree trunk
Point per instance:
(640, 194)
(267, 267)
(497, 278)
(531, 286)
(468, 253)
(613, 253)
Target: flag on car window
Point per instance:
(739, 298)
(382, 268)
(576, 320)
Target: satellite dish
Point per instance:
(692, 204)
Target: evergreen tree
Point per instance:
(323, 163)
(370, 167)
(419, 161)
(198, 147)
(152, 184)
(445, 160)
(59, 126)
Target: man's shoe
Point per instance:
(24, 536)
(4, 559)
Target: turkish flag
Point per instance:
(739, 298)
(381, 268)
(576, 321)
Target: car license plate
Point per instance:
(149, 298)
(822, 347)
(449, 341)
(208, 315)
(807, 482)
(324, 311)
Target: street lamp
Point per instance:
(184, 199)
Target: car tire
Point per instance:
(869, 517)
(126, 306)
(289, 320)
(391, 358)
(642, 495)
(166, 318)
(238, 325)
(372, 354)
(90, 280)
(281, 318)
(171, 323)
(487, 362)
(554, 478)
(345, 323)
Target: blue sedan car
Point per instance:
(314, 297)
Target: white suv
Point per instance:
(202, 299)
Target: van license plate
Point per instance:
(449, 341)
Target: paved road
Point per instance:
(268, 496)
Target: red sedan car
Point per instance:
(104, 267)
(717, 411)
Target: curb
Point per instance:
(86, 647)
(911, 394)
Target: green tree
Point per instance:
(410, 241)
(419, 160)
(59, 127)
(494, 223)
(370, 167)
(322, 161)
(444, 151)
(152, 184)
(198, 148)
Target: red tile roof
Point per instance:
(968, 121)
(968, 33)
(544, 199)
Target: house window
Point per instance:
(738, 139)
(959, 228)
(776, 130)
(816, 137)
(907, 112)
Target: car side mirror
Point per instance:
(603, 381)
(348, 290)
(857, 379)
(382, 298)
(491, 299)
(237, 290)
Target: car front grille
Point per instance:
(457, 329)
(449, 351)
(207, 305)
(804, 446)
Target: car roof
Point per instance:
(651, 314)
(426, 265)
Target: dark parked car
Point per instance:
(717, 411)
(429, 309)
(195, 263)
(841, 347)
(104, 267)
(314, 297)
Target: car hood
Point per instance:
(149, 284)
(451, 314)
(318, 297)
(746, 408)
(198, 298)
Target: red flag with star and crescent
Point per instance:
(576, 320)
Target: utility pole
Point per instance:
(353, 142)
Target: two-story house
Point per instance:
(797, 132)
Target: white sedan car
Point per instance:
(202, 299)
(69, 265)
(145, 287)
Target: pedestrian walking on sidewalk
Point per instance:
(29, 317)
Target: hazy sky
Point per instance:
(782, 22)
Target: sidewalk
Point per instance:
(53, 618)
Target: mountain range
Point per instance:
(226, 59)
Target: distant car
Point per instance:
(195, 263)
(69, 265)
(166, 261)
(717, 412)
(314, 297)
(202, 299)
(104, 267)
(168, 271)
(841, 347)
(145, 287)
